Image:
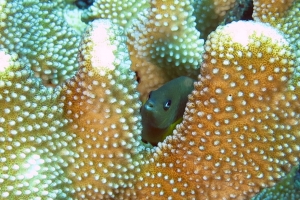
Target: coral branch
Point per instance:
(102, 106)
(240, 130)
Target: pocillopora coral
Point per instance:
(70, 123)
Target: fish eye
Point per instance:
(167, 105)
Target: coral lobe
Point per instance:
(71, 129)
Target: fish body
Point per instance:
(164, 109)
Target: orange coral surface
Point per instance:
(81, 138)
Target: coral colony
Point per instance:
(74, 74)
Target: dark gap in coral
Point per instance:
(247, 15)
(137, 77)
(84, 4)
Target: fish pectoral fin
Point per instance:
(169, 131)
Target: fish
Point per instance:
(164, 109)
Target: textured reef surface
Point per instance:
(74, 74)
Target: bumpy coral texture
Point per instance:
(32, 138)
(107, 128)
(81, 139)
(42, 39)
(51, 138)
(120, 12)
(209, 14)
(286, 19)
(240, 130)
(164, 44)
(287, 188)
